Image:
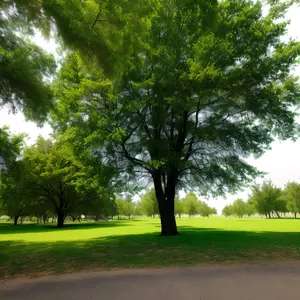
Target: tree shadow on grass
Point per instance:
(193, 246)
(8, 228)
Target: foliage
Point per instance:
(265, 198)
(53, 174)
(205, 210)
(104, 32)
(125, 207)
(201, 93)
(178, 209)
(10, 147)
(250, 209)
(148, 204)
(191, 204)
(291, 194)
(24, 68)
(13, 194)
(239, 208)
(227, 211)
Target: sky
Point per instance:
(282, 163)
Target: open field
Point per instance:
(34, 249)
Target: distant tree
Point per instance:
(179, 209)
(250, 209)
(227, 211)
(265, 198)
(53, 175)
(280, 206)
(205, 210)
(129, 206)
(190, 204)
(13, 196)
(148, 203)
(120, 207)
(138, 209)
(291, 194)
(239, 208)
(213, 211)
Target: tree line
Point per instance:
(179, 93)
(267, 200)
(54, 180)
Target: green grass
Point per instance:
(43, 249)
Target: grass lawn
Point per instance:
(34, 249)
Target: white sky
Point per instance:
(282, 163)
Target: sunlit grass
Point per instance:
(32, 249)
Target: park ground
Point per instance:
(35, 250)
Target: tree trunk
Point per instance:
(295, 215)
(277, 214)
(60, 220)
(269, 215)
(166, 205)
(16, 218)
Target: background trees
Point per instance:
(53, 172)
(190, 204)
(239, 208)
(179, 209)
(14, 196)
(227, 211)
(291, 194)
(265, 198)
(148, 203)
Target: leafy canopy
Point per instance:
(210, 86)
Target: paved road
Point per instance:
(241, 282)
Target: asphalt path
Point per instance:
(206, 282)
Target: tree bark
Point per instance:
(60, 220)
(16, 218)
(166, 201)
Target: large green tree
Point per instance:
(209, 86)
